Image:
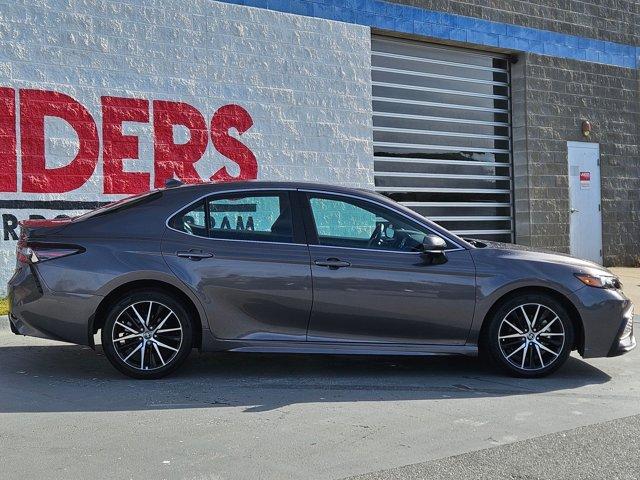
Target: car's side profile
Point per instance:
(303, 268)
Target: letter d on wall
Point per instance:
(35, 105)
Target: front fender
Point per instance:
(498, 276)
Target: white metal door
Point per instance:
(584, 201)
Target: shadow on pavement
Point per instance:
(61, 378)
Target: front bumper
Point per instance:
(36, 311)
(607, 322)
(625, 341)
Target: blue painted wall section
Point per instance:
(445, 26)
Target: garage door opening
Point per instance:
(442, 134)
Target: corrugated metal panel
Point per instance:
(442, 135)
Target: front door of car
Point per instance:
(372, 283)
(245, 257)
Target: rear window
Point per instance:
(256, 216)
(120, 205)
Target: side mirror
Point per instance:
(433, 248)
(433, 244)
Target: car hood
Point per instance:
(523, 252)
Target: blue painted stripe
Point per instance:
(446, 26)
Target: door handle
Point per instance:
(332, 263)
(194, 255)
(574, 210)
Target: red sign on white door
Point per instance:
(585, 180)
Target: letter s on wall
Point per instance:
(226, 117)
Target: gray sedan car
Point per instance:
(303, 268)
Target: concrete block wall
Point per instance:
(479, 24)
(613, 20)
(521, 178)
(559, 94)
(302, 84)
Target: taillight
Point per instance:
(23, 253)
(36, 253)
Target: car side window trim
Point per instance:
(303, 219)
(298, 229)
(312, 234)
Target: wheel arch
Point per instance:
(97, 322)
(573, 312)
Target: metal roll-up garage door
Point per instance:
(442, 136)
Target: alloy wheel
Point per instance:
(531, 336)
(147, 335)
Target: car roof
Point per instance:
(207, 187)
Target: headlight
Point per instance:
(599, 281)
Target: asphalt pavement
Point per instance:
(606, 450)
(65, 413)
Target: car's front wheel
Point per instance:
(529, 335)
(147, 334)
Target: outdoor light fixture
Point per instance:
(586, 128)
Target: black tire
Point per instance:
(547, 345)
(163, 346)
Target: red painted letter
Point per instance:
(173, 159)
(226, 117)
(117, 147)
(35, 105)
(8, 162)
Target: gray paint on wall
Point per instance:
(551, 98)
(614, 20)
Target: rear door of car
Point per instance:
(245, 255)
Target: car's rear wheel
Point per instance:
(147, 334)
(529, 335)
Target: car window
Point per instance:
(191, 221)
(343, 222)
(255, 216)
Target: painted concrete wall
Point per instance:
(100, 99)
